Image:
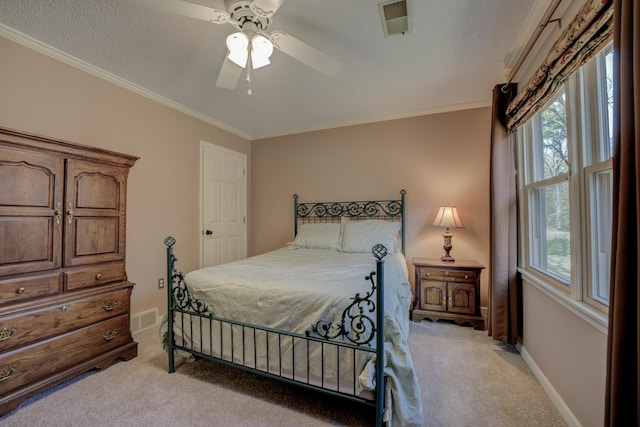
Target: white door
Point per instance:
(224, 205)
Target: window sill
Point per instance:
(587, 313)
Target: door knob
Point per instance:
(208, 232)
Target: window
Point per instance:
(565, 186)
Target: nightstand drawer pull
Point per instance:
(64, 308)
(21, 290)
(98, 276)
(446, 273)
(110, 305)
(466, 276)
(109, 335)
(6, 371)
(5, 333)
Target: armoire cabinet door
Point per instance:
(94, 213)
(31, 198)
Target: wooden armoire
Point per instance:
(64, 293)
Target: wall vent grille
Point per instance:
(144, 320)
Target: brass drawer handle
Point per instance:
(6, 371)
(428, 274)
(21, 290)
(5, 333)
(64, 308)
(98, 276)
(110, 305)
(109, 335)
(466, 276)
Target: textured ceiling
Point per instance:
(450, 59)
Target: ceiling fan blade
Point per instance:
(184, 8)
(265, 8)
(229, 75)
(306, 54)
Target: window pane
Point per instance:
(554, 138)
(609, 94)
(551, 238)
(601, 251)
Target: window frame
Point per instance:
(587, 128)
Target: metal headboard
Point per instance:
(389, 210)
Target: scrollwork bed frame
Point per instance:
(355, 332)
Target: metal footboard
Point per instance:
(279, 354)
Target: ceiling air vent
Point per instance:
(394, 17)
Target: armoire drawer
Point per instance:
(25, 365)
(94, 275)
(26, 328)
(22, 288)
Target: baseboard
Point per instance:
(144, 320)
(562, 407)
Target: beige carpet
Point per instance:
(467, 379)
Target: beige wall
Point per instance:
(44, 96)
(440, 158)
(570, 353)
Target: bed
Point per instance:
(330, 311)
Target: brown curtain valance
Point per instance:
(589, 32)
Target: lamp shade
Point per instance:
(238, 44)
(447, 216)
(261, 50)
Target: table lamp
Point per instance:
(447, 217)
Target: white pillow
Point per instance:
(318, 236)
(362, 236)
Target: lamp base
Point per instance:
(447, 247)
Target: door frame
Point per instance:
(244, 156)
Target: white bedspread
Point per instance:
(291, 289)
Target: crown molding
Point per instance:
(61, 56)
(534, 20)
(407, 115)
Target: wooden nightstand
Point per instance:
(448, 290)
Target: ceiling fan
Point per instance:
(251, 46)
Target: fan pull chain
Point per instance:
(248, 79)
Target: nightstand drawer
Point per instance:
(449, 275)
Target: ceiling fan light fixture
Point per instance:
(261, 50)
(237, 43)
